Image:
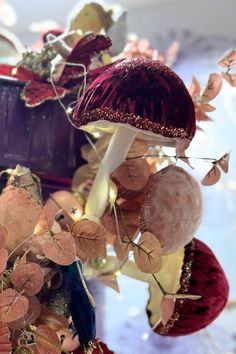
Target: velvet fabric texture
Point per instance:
(207, 279)
(141, 92)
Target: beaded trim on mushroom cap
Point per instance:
(143, 93)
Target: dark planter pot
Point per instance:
(40, 138)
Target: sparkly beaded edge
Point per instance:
(184, 288)
(116, 116)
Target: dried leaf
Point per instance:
(122, 248)
(5, 344)
(228, 59)
(202, 117)
(52, 319)
(194, 88)
(167, 308)
(47, 341)
(230, 78)
(28, 278)
(12, 305)
(147, 253)
(212, 177)
(223, 162)
(138, 148)
(90, 238)
(60, 248)
(3, 236)
(132, 176)
(46, 219)
(213, 87)
(31, 315)
(110, 280)
(206, 107)
(3, 260)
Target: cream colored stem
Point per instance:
(115, 155)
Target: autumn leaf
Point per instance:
(28, 277)
(3, 260)
(60, 248)
(138, 148)
(122, 248)
(230, 78)
(90, 238)
(5, 344)
(213, 87)
(31, 315)
(167, 307)
(12, 305)
(212, 177)
(147, 253)
(194, 88)
(228, 59)
(131, 177)
(47, 341)
(46, 219)
(223, 162)
(3, 237)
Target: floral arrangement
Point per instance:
(131, 209)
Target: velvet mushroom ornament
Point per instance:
(172, 208)
(131, 99)
(201, 274)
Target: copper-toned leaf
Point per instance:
(52, 319)
(90, 238)
(28, 278)
(122, 248)
(5, 345)
(81, 175)
(110, 280)
(3, 260)
(213, 87)
(147, 253)
(230, 78)
(12, 305)
(202, 116)
(31, 315)
(138, 148)
(128, 222)
(46, 219)
(194, 88)
(19, 213)
(167, 308)
(47, 341)
(228, 59)
(206, 107)
(60, 248)
(132, 176)
(212, 177)
(3, 236)
(223, 162)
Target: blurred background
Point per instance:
(205, 29)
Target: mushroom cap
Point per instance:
(142, 93)
(201, 275)
(172, 208)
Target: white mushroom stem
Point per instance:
(115, 155)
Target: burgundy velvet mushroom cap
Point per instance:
(201, 275)
(142, 93)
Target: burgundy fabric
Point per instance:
(143, 88)
(208, 280)
(56, 32)
(84, 50)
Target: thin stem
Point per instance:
(210, 159)
(160, 286)
(26, 240)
